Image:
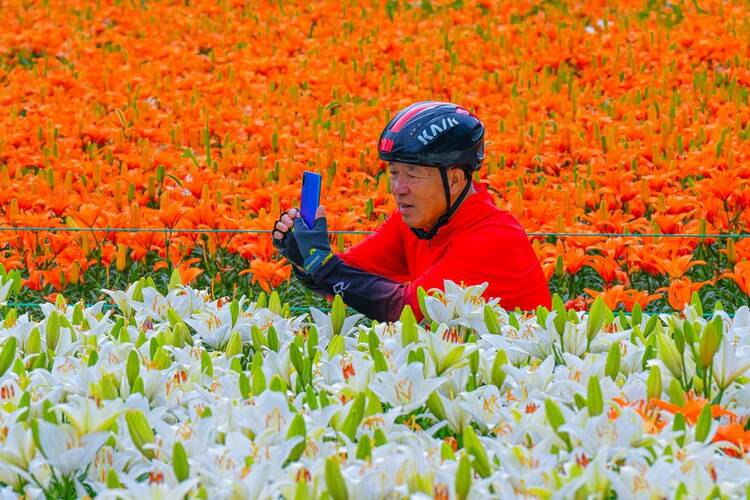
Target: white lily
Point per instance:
(135, 490)
(446, 348)
(66, 449)
(324, 324)
(407, 389)
(729, 364)
(87, 417)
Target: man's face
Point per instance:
(418, 192)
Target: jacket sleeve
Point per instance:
(372, 295)
(503, 259)
(381, 253)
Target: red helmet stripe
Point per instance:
(386, 145)
(410, 114)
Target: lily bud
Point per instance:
(463, 478)
(594, 400)
(653, 383)
(335, 480)
(234, 346)
(669, 354)
(140, 432)
(7, 355)
(180, 463)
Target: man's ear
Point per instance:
(456, 179)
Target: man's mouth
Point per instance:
(404, 206)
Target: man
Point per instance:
(446, 226)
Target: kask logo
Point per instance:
(435, 129)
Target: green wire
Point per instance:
(27, 305)
(266, 231)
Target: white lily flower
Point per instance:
(18, 449)
(210, 328)
(574, 338)
(438, 310)
(407, 389)
(135, 490)
(324, 324)
(446, 348)
(86, 417)
(66, 449)
(729, 363)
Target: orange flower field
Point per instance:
(602, 117)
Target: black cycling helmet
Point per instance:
(435, 134)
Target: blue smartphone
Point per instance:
(310, 197)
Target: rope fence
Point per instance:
(31, 305)
(27, 305)
(734, 236)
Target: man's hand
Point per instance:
(313, 244)
(283, 237)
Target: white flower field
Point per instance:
(167, 396)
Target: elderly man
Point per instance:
(446, 226)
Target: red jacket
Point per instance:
(480, 243)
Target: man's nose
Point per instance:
(399, 187)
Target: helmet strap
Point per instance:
(443, 220)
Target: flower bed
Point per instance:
(606, 117)
(175, 393)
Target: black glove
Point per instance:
(287, 245)
(313, 243)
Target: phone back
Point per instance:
(310, 197)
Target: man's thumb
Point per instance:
(320, 212)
